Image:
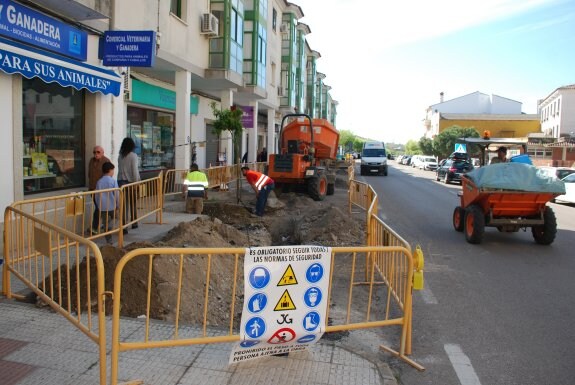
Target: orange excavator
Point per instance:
(307, 148)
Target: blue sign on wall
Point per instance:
(32, 27)
(129, 48)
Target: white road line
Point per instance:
(427, 296)
(462, 365)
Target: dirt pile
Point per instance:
(226, 223)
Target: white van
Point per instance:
(373, 159)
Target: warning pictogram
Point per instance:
(282, 336)
(288, 278)
(285, 303)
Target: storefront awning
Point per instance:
(31, 62)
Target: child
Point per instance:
(107, 202)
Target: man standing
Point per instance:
(501, 156)
(94, 174)
(195, 190)
(262, 185)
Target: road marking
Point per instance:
(462, 365)
(427, 296)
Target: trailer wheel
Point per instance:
(317, 187)
(330, 189)
(474, 224)
(545, 234)
(458, 218)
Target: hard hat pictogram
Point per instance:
(288, 278)
(285, 302)
(259, 277)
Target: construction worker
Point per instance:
(195, 190)
(262, 185)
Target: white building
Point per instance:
(475, 103)
(557, 112)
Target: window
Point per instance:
(177, 7)
(274, 19)
(153, 133)
(53, 137)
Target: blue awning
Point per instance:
(31, 62)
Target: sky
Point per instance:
(388, 61)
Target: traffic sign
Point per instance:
(460, 147)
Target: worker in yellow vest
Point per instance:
(195, 190)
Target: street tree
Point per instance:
(230, 120)
(444, 143)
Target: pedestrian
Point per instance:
(263, 155)
(108, 202)
(501, 156)
(195, 190)
(128, 173)
(262, 185)
(94, 174)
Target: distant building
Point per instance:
(557, 114)
(501, 116)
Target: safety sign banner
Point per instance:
(285, 300)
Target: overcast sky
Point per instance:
(387, 61)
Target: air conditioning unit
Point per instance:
(283, 27)
(210, 25)
(127, 84)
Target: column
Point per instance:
(271, 139)
(226, 145)
(253, 134)
(183, 132)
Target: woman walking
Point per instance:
(128, 173)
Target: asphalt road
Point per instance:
(498, 313)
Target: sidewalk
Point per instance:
(40, 347)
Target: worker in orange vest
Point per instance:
(262, 185)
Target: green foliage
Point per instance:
(229, 120)
(346, 140)
(426, 146)
(444, 143)
(412, 147)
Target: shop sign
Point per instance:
(248, 116)
(32, 27)
(128, 48)
(17, 58)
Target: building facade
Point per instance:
(557, 114)
(58, 103)
(477, 107)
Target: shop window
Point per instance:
(153, 133)
(53, 137)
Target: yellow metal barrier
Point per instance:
(140, 200)
(57, 265)
(380, 234)
(74, 212)
(379, 305)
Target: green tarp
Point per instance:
(515, 176)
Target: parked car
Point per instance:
(415, 160)
(569, 196)
(406, 160)
(428, 163)
(450, 170)
(557, 172)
